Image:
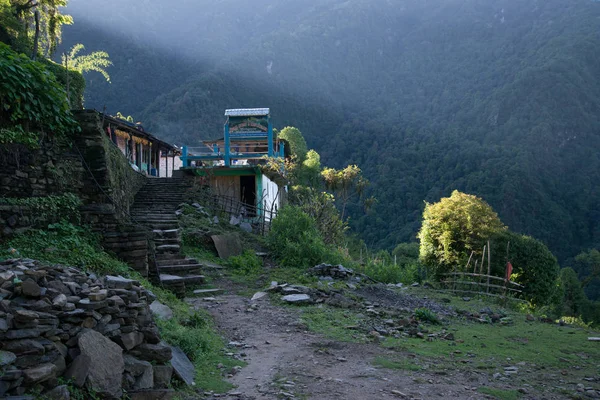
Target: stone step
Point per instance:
(182, 261)
(165, 234)
(167, 279)
(168, 256)
(170, 248)
(208, 292)
(210, 265)
(154, 217)
(175, 241)
(183, 270)
(161, 219)
(161, 226)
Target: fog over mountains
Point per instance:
(496, 98)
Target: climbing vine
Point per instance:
(30, 96)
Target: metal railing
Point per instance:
(259, 218)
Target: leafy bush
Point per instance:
(66, 244)
(390, 273)
(48, 209)
(30, 94)
(295, 240)
(246, 264)
(534, 266)
(426, 315)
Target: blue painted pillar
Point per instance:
(270, 133)
(215, 149)
(184, 155)
(227, 144)
(281, 149)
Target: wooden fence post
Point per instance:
(489, 267)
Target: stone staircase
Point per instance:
(154, 207)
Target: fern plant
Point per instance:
(97, 61)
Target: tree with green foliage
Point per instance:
(454, 227)
(309, 172)
(320, 206)
(587, 266)
(34, 26)
(534, 266)
(345, 183)
(296, 141)
(406, 253)
(573, 300)
(97, 61)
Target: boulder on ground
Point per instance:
(107, 363)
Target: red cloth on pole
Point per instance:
(508, 270)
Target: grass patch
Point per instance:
(333, 323)
(65, 243)
(500, 394)
(545, 345)
(403, 364)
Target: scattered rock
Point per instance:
(297, 299)
(161, 310)
(334, 271)
(182, 366)
(258, 295)
(58, 393)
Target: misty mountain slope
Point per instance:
(497, 98)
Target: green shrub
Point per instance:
(534, 266)
(426, 315)
(247, 263)
(389, 273)
(48, 209)
(296, 242)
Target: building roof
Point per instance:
(246, 112)
(131, 128)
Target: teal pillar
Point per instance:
(270, 133)
(227, 144)
(281, 149)
(184, 155)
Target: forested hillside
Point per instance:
(496, 98)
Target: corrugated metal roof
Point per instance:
(246, 112)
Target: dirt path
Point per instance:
(286, 361)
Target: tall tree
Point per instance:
(452, 228)
(41, 24)
(345, 183)
(297, 142)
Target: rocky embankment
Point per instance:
(94, 332)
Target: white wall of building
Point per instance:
(168, 161)
(271, 196)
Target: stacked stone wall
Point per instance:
(96, 332)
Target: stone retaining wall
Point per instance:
(57, 321)
(104, 182)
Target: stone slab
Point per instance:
(227, 245)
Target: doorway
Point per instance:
(248, 192)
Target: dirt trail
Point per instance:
(286, 361)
